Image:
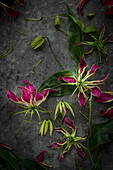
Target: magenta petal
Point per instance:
(96, 92)
(46, 91)
(55, 145)
(109, 11)
(80, 5)
(105, 97)
(108, 113)
(25, 95)
(30, 87)
(94, 69)
(83, 65)
(109, 38)
(107, 2)
(67, 79)
(53, 91)
(88, 133)
(40, 157)
(12, 96)
(10, 11)
(60, 130)
(1, 144)
(80, 152)
(38, 96)
(82, 99)
(70, 123)
(21, 2)
(100, 81)
(62, 157)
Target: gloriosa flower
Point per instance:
(70, 140)
(106, 97)
(82, 84)
(31, 98)
(44, 127)
(61, 108)
(99, 43)
(40, 159)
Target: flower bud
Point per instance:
(38, 41)
(61, 108)
(57, 21)
(44, 127)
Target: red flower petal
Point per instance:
(80, 5)
(82, 99)
(13, 97)
(55, 145)
(40, 157)
(25, 95)
(10, 11)
(109, 38)
(108, 113)
(67, 79)
(80, 152)
(93, 69)
(83, 65)
(107, 2)
(21, 2)
(96, 92)
(109, 11)
(38, 96)
(30, 87)
(105, 97)
(70, 123)
(1, 144)
(60, 130)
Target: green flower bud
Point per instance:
(38, 41)
(57, 21)
(61, 108)
(44, 127)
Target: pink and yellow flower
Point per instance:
(70, 140)
(31, 98)
(82, 84)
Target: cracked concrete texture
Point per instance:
(19, 65)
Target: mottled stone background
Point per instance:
(19, 65)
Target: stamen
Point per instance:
(74, 92)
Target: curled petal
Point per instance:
(108, 113)
(88, 133)
(13, 97)
(96, 82)
(25, 95)
(38, 96)
(93, 69)
(105, 97)
(46, 92)
(80, 152)
(21, 2)
(109, 38)
(30, 87)
(96, 92)
(10, 11)
(1, 144)
(107, 2)
(64, 151)
(70, 123)
(109, 11)
(82, 99)
(40, 157)
(55, 145)
(80, 5)
(83, 66)
(60, 130)
(67, 79)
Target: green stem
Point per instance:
(83, 45)
(32, 19)
(37, 65)
(82, 146)
(22, 33)
(89, 124)
(80, 112)
(54, 53)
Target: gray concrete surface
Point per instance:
(19, 65)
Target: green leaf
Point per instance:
(101, 134)
(97, 165)
(29, 164)
(10, 159)
(90, 28)
(52, 83)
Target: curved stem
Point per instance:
(37, 65)
(80, 112)
(54, 53)
(89, 123)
